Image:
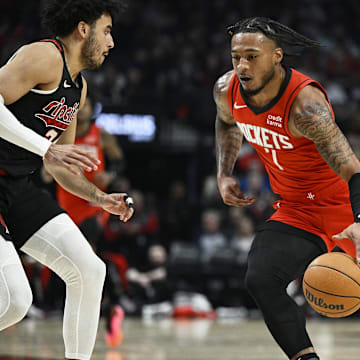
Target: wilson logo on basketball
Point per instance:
(321, 303)
(58, 114)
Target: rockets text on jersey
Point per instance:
(268, 139)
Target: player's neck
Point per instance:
(270, 91)
(72, 51)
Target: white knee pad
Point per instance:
(15, 293)
(61, 246)
(79, 269)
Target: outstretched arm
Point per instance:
(228, 144)
(311, 117)
(80, 186)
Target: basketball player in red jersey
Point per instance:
(288, 119)
(43, 88)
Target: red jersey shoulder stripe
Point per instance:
(54, 42)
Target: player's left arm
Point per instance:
(311, 117)
(81, 186)
(117, 203)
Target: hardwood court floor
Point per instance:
(169, 339)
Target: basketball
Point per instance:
(331, 285)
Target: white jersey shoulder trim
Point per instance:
(36, 91)
(44, 92)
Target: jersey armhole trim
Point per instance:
(44, 92)
(231, 95)
(54, 42)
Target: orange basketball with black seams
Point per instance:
(331, 285)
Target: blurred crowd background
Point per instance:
(184, 246)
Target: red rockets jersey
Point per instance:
(294, 165)
(78, 208)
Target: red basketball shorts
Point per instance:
(324, 213)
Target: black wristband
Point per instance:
(354, 188)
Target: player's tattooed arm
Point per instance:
(315, 122)
(228, 144)
(77, 185)
(227, 134)
(312, 118)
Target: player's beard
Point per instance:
(90, 49)
(267, 77)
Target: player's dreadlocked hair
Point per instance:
(288, 39)
(62, 16)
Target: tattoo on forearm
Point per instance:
(86, 189)
(317, 124)
(95, 196)
(77, 185)
(228, 144)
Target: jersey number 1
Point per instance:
(276, 162)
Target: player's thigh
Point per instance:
(31, 207)
(283, 252)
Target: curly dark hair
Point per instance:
(62, 16)
(286, 38)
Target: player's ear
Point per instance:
(83, 29)
(278, 56)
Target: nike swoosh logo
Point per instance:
(239, 106)
(66, 85)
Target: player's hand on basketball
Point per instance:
(231, 193)
(71, 157)
(119, 204)
(352, 232)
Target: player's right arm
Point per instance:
(35, 65)
(228, 139)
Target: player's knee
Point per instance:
(79, 270)
(97, 271)
(19, 303)
(257, 283)
(252, 281)
(93, 271)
